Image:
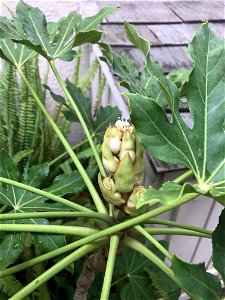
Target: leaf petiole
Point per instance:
(96, 198)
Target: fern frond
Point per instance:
(64, 126)
(85, 82)
(30, 118)
(101, 87)
(9, 105)
(76, 73)
(10, 285)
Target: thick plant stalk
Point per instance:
(84, 250)
(83, 124)
(114, 242)
(85, 279)
(95, 196)
(55, 229)
(58, 214)
(105, 232)
(179, 225)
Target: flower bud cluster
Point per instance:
(122, 157)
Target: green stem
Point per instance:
(58, 214)
(176, 231)
(56, 229)
(41, 258)
(96, 198)
(44, 194)
(183, 176)
(79, 115)
(146, 234)
(179, 225)
(105, 232)
(44, 277)
(139, 247)
(58, 158)
(114, 242)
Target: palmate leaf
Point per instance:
(218, 242)
(45, 242)
(57, 39)
(135, 282)
(194, 280)
(169, 192)
(10, 249)
(200, 148)
(16, 54)
(21, 200)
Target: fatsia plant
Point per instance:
(29, 199)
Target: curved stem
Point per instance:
(44, 277)
(96, 198)
(79, 115)
(179, 225)
(114, 242)
(146, 234)
(55, 160)
(42, 258)
(139, 247)
(105, 232)
(58, 214)
(183, 176)
(176, 231)
(56, 229)
(45, 194)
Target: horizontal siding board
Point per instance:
(170, 57)
(115, 35)
(193, 213)
(190, 11)
(141, 12)
(203, 251)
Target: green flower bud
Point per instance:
(139, 163)
(130, 208)
(127, 146)
(108, 189)
(110, 162)
(124, 176)
(115, 140)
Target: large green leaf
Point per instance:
(22, 200)
(10, 249)
(45, 242)
(200, 148)
(15, 53)
(122, 68)
(104, 115)
(129, 271)
(194, 280)
(56, 39)
(165, 286)
(218, 242)
(169, 192)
